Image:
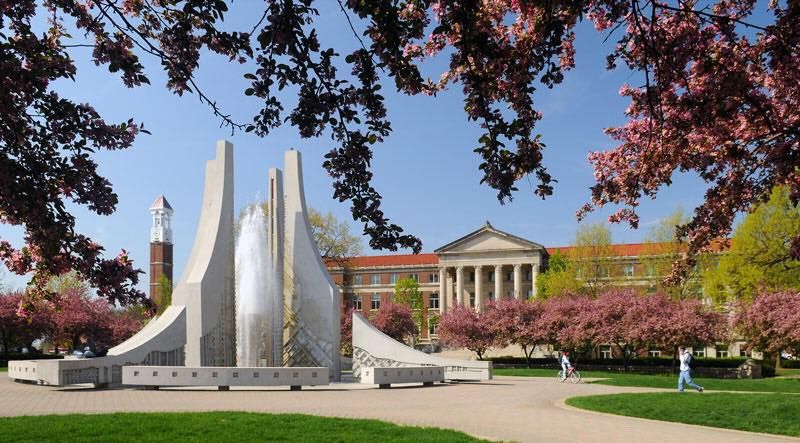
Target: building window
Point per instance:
(722, 351)
(414, 277)
(376, 302)
(357, 302)
(376, 279)
(651, 270)
(699, 352)
(528, 275)
(472, 300)
(605, 352)
(357, 279)
(654, 353)
(433, 277)
(491, 295)
(472, 277)
(490, 276)
(433, 301)
(393, 279)
(431, 328)
(530, 293)
(509, 276)
(743, 351)
(628, 270)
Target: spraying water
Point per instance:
(253, 292)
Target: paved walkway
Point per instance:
(507, 408)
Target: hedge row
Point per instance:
(4, 359)
(790, 364)
(729, 362)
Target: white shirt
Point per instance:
(685, 357)
(565, 361)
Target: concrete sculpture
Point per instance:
(373, 348)
(199, 328)
(311, 336)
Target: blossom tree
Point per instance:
(15, 330)
(715, 98)
(566, 324)
(346, 332)
(463, 327)
(771, 323)
(517, 322)
(683, 323)
(720, 99)
(618, 317)
(75, 314)
(394, 320)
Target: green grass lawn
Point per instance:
(669, 381)
(789, 372)
(770, 413)
(4, 369)
(215, 426)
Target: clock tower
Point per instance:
(160, 246)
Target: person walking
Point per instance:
(685, 358)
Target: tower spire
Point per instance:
(160, 248)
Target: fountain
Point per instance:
(253, 265)
(286, 305)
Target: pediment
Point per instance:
(487, 238)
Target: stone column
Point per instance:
(449, 290)
(478, 288)
(518, 281)
(498, 281)
(442, 290)
(460, 285)
(534, 273)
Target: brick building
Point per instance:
(476, 268)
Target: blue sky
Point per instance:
(426, 170)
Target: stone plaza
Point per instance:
(526, 409)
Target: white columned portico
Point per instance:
(518, 281)
(534, 273)
(460, 285)
(498, 282)
(478, 288)
(442, 290)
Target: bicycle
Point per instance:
(574, 376)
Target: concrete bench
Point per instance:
(23, 370)
(384, 377)
(153, 377)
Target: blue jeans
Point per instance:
(685, 377)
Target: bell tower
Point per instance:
(160, 246)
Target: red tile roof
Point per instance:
(624, 250)
(618, 250)
(634, 249)
(366, 261)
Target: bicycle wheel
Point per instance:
(560, 377)
(575, 377)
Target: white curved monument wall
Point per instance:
(206, 286)
(371, 347)
(311, 297)
(198, 328)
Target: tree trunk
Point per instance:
(674, 359)
(527, 358)
(777, 362)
